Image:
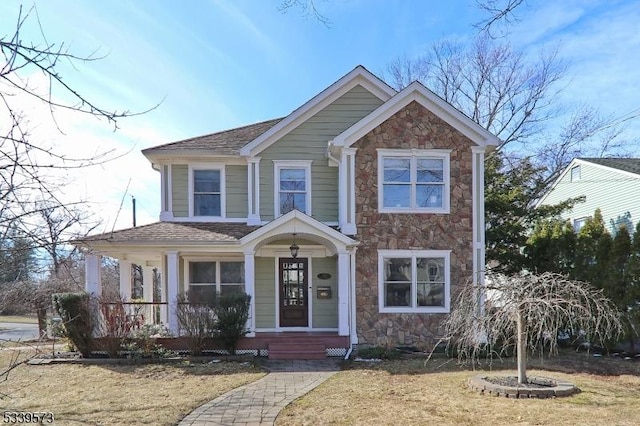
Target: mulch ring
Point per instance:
(508, 387)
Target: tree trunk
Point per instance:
(521, 349)
(42, 320)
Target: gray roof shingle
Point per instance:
(631, 165)
(227, 142)
(172, 232)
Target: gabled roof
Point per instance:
(419, 93)
(620, 165)
(227, 142)
(358, 76)
(631, 165)
(171, 233)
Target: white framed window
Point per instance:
(413, 180)
(414, 281)
(292, 186)
(206, 279)
(206, 190)
(575, 173)
(579, 223)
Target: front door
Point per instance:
(294, 304)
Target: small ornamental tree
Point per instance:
(527, 311)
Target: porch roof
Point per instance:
(172, 232)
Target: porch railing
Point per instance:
(140, 313)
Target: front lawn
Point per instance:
(408, 392)
(118, 394)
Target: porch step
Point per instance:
(297, 351)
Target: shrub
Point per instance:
(196, 320)
(232, 312)
(379, 352)
(75, 311)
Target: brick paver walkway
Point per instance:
(259, 403)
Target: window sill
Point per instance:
(414, 211)
(423, 310)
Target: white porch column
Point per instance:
(173, 269)
(478, 225)
(147, 282)
(93, 279)
(125, 278)
(250, 289)
(344, 273)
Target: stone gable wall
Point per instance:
(412, 127)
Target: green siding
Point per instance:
(180, 190)
(614, 193)
(181, 284)
(309, 142)
(325, 311)
(265, 291)
(236, 186)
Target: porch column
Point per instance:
(173, 269)
(147, 283)
(125, 279)
(344, 273)
(93, 279)
(147, 294)
(250, 289)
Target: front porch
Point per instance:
(300, 303)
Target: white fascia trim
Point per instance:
(291, 164)
(223, 191)
(444, 154)
(282, 224)
(358, 76)
(417, 92)
(446, 254)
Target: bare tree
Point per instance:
(500, 14)
(27, 165)
(307, 7)
(513, 96)
(528, 312)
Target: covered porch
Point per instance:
(302, 296)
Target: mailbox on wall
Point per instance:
(324, 292)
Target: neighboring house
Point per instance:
(609, 184)
(381, 191)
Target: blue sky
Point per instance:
(215, 65)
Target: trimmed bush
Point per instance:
(232, 313)
(75, 311)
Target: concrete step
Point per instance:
(297, 351)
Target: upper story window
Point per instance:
(292, 186)
(413, 181)
(414, 281)
(575, 173)
(206, 191)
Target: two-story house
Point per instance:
(356, 216)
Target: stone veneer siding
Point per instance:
(412, 127)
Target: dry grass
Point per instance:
(119, 395)
(412, 393)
